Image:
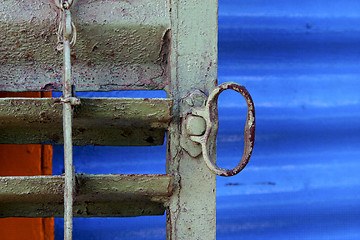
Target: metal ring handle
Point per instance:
(209, 114)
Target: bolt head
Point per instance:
(195, 125)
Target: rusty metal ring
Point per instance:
(208, 113)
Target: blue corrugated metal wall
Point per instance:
(300, 61)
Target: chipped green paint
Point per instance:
(111, 195)
(97, 121)
(192, 209)
(132, 44)
(120, 45)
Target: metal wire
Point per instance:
(60, 37)
(64, 5)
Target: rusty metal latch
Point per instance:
(202, 126)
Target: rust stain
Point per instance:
(209, 114)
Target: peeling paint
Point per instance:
(120, 46)
(113, 195)
(191, 213)
(97, 121)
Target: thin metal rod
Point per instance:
(67, 129)
(69, 176)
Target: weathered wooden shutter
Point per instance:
(121, 45)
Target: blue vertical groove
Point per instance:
(300, 60)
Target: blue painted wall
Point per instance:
(300, 60)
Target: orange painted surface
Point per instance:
(26, 160)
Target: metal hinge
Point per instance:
(201, 124)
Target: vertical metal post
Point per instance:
(67, 127)
(191, 212)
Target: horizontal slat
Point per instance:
(121, 45)
(97, 121)
(96, 195)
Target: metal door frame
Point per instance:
(191, 212)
